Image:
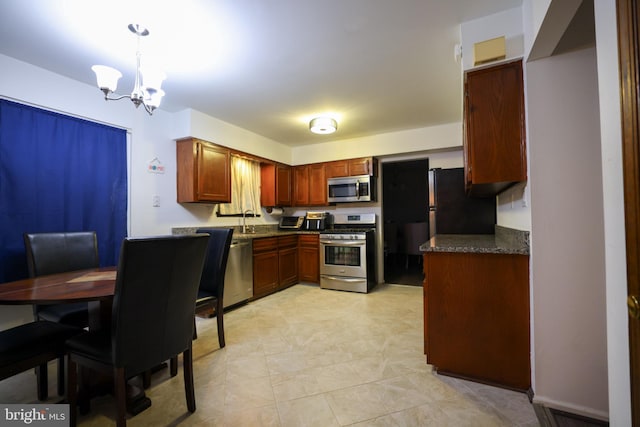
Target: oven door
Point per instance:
(343, 257)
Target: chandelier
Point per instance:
(148, 94)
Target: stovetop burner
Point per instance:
(351, 226)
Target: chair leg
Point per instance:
(219, 318)
(195, 333)
(84, 402)
(120, 387)
(146, 379)
(61, 378)
(43, 382)
(173, 366)
(189, 389)
(72, 388)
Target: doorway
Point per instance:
(405, 211)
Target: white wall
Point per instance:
(558, 13)
(567, 231)
(613, 200)
(409, 141)
(209, 128)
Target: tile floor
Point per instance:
(312, 357)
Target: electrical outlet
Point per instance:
(156, 201)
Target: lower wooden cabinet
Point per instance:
(309, 258)
(265, 266)
(476, 317)
(275, 264)
(287, 261)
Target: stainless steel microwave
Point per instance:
(361, 188)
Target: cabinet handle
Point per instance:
(633, 305)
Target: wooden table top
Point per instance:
(74, 286)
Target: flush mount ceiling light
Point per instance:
(148, 94)
(323, 125)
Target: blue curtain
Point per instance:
(59, 173)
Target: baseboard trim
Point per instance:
(544, 415)
(548, 417)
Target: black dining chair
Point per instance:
(31, 345)
(211, 290)
(152, 316)
(58, 252)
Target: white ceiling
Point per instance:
(266, 65)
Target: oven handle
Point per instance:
(344, 242)
(341, 279)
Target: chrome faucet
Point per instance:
(244, 220)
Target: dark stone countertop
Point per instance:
(504, 241)
(260, 231)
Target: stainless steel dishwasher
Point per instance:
(238, 277)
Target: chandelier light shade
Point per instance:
(147, 93)
(107, 77)
(323, 125)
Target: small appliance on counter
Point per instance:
(291, 222)
(317, 221)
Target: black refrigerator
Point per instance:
(451, 211)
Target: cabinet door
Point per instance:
(287, 267)
(336, 169)
(265, 266)
(283, 185)
(214, 174)
(495, 126)
(275, 185)
(300, 185)
(363, 166)
(204, 172)
(309, 258)
(268, 184)
(317, 185)
(265, 273)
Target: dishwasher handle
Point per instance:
(239, 243)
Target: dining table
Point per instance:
(95, 286)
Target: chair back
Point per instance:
(50, 253)
(154, 300)
(215, 266)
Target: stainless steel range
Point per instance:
(347, 253)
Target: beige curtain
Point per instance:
(245, 187)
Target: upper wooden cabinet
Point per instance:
(203, 172)
(494, 129)
(336, 168)
(309, 185)
(352, 167)
(300, 185)
(363, 166)
(317, 184)
(275, 184)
